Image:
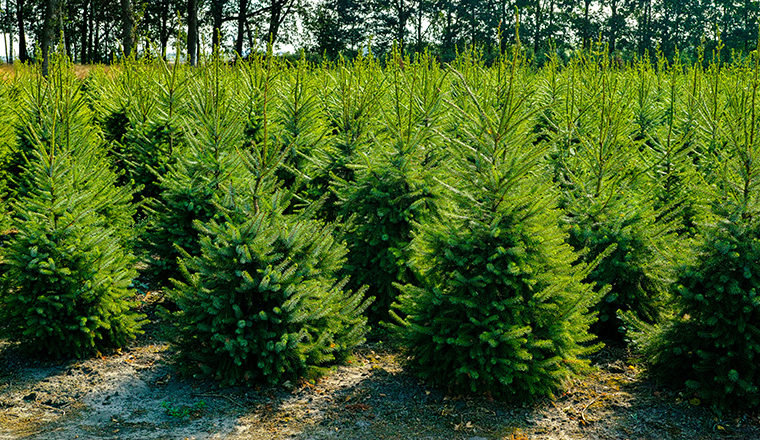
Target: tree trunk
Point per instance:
(401, 31)
(85, 28)
(23, 55)
(192, 31)
(448, 42)
(241, 21)
(249, 32)
(551, 23)
(419, 25)
(643, 28)
(163, 31)
(90, 51)
(747, 24)
(613, 25)
(278, 11)
(8, 30)
(537, 30)
(648, 25)
(473, 28)
(274, 20)
(95, 54)
(7, 53)
(127, 27)
(108, 55)
(48, 33)
(587, 25)
(64, 35)
(217, 8)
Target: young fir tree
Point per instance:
(65, 289)
(648, 95)
(352, 99)
(606, 204)
(8, 97)
(124, 96)
(207, 168)
(500, 308)
(257, 77)
(669, 155)
(54, 111)
(711, 103)
(712, 346)
(393, 191)
(261, 301)
(154, 135)
(302, 128)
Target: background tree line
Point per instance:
(98, 30)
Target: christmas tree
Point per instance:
(500, 308)
(66, 281)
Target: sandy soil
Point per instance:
(135, 394)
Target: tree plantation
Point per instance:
(501, 221)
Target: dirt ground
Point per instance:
(135, 394)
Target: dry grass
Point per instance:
(8, 71)
(83, 70)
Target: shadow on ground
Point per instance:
(135, 394)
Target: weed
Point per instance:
(180, 411)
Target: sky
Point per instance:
(3, 43)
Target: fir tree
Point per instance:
(712, 345)
(258, 92)
(261, 301)
(500, 308)
(302, 129)
(54, 111)
(152, 143)
(606, 205)
(352, 99)
(670, 152)
(205, 171)
(66, 285)
(393, 190)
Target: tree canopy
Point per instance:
(99, 31)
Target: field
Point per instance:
(496, 226)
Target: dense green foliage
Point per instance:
(712, 344)
(66, 274)
(352, 98)
(500, 307)
(54, 112)
(207, 169)
(261, 302)
(595, 148)
(502, 207)
(66, 285)
(141, 116)
(393, 188)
